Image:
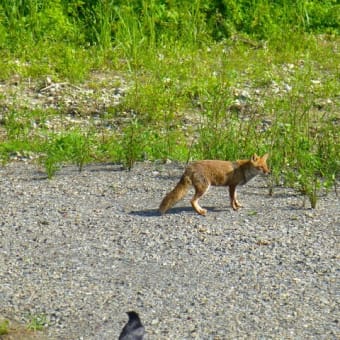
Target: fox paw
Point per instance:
(202, 212)
(235, 207)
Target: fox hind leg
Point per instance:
(200, 190)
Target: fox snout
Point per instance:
(266, 171)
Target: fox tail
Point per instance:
(176, 194)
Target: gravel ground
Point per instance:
(84, 248)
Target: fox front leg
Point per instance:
(235, 204)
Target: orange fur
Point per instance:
(202, 174)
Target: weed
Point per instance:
(37, 322)
(74, 147)
(4, 327)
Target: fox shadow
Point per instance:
(172, 211)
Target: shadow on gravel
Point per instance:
(106, 167)
(37, 176)
(173, 177)
(146, 213)
(173, 211)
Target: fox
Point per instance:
(205, 173)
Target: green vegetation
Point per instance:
(11, 329)
(4, 327)
(37, 322)
(205, 79)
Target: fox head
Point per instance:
(260, 163)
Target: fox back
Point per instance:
(224, 173)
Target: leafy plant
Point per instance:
(132, 144)
(74, 147)
(37, 322)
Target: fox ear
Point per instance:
(254, 157)
(265, 156)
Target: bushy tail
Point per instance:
(175, 195)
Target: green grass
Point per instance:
(37, 322)
(4, 327)
(11, 329)
(207, 80)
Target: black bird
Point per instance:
(133, 330)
